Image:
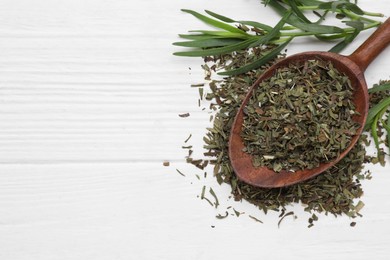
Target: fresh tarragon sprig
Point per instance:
(378, 118)
(233, 35)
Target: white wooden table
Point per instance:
(89, 101)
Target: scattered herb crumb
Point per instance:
(283, 216)
(197, 85)
(219, 216)
(255, 219)
(188, 138)
(216, 203)
(182, 174)
(237, 213)
(184, 115)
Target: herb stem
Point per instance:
(337, 10)
(281, 40)
(366, 27)
(354, 16)
(373, 14)
(289, 27)
(308, 7)
(346, 31)
(295, 34)
(388, 132)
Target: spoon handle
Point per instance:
(374, 45)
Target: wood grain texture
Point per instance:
(89, 101)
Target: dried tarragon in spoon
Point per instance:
(299, 117)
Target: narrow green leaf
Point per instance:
(386, 125)
(208, 43)
(213, 22)
(344, 43)
(269, 56)
(358, 25)
(223, 34)
(274, 33)
(216, 51)
(354, 8)
(374, 133)
(298, 12)
(310, 2)
(333, 5)
(220, 17)
(388, 131)
(378, 88)
(295, 21)
(258, 25)
(315, 28)
(331, 37)
(250, 23)
(375, 110)
(199, 36)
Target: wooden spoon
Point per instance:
(353, 66)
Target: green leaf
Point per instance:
(375, 110)
(388, 131)
(199, 36)
(254, 65)
(354, 8)
(213, 22)
(216, 51)
(295, 21)
(262, 26)
(333, 5)
(310, 2)
(250, 23)
(374, 126)
(358, 25)
(220, 17)
(386, 125)
(374, 132)
(298, 12)
(316, 28)
(331, 37)
(344, 43)
(377, 88)
(223, 34)
(274, 33)
(208, 43)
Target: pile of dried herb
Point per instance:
(333, 192)
(299, 117)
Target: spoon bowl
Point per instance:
(352, 66)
